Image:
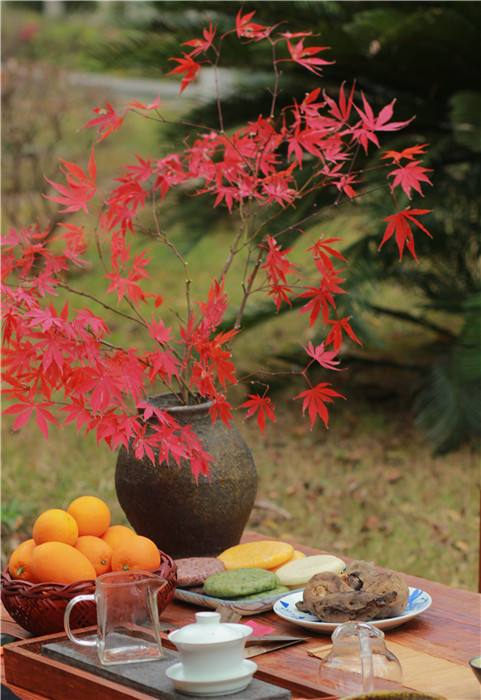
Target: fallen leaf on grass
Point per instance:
(393, 475)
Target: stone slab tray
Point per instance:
(149, 676)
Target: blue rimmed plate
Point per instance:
(285, 607)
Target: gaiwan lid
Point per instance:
(208, 629)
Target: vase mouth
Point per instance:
(173, 403)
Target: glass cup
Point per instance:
(128, 628)
(360, 661)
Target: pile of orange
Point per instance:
(78, 544)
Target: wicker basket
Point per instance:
(39, 607)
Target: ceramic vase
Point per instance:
(185, 517)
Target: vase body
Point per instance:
(185, 517)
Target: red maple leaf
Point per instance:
(276, 186)
(199, 463)
(399, 226)
(163, 364)
(304, 56)
(410, 176)
(220, 361)
(309, 107)
(107, 121)
(201, 378)
(142, 172)
(78, 413)
(263, 406)
(169, 172)
(343, 111)
(213, 310)
(323, 356)
(202, 45)
(102, 384)
(319, 302)
(97, 325)
(48, 318)
(364, 131)
(303, 140)
(280, 293)
(159, 332)
(322, 296)
(52, 356)
(25, 410)
(188, 66)
(335, 334)
(277, 264)
(408, 153)
(126, 287)
(245, 27)
(221, 408)
(321, 247)
(80, 185)
(138, 105)
(315, 400)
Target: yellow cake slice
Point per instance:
(264, 554)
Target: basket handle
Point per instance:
(66, 621)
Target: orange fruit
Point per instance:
(19, 564)
(55, 525)
(91, 514)
(116, 534)
(57, 562)
(97, 551)
(136, 553)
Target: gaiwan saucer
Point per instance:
(223, 686)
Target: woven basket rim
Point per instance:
(31, 589)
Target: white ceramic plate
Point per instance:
(246, 607)
(285, 607)
(222, 686)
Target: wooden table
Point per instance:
(440, 640)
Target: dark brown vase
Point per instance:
(183, 517)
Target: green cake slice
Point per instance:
(236, 583)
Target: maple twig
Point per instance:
(277, 74)
(233, 249)
(248, 289)
(70, 289)
(160, 119)
(162, 236)
(217, 87)
(188, 281)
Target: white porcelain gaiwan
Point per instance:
(210, 650)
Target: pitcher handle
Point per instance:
(366, 661)
(66, 621)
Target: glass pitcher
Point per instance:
(128, 626)
(359, 660)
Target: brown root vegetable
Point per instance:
(351, 605)
(362, 592)
(357, 572)
(319, 586)
(386, 582)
